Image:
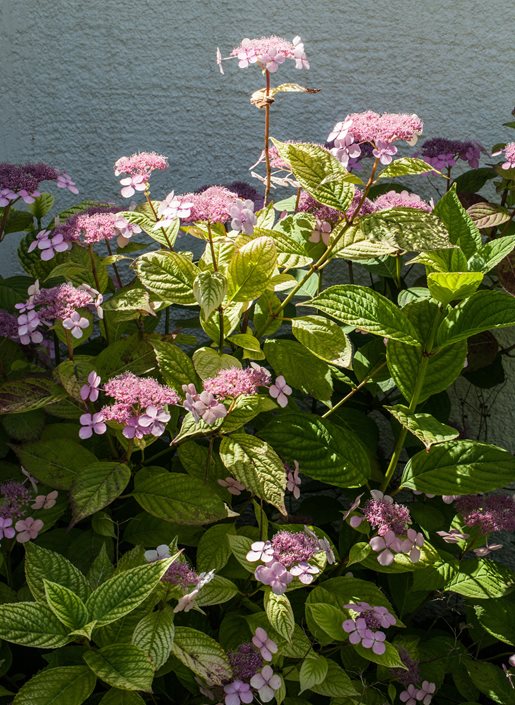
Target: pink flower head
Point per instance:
(489, 513)
(366, 629)
(388, 127)
(154, 420)
(237, 692)
(266, 682)
(28, 324)
(173, 207)
(280, 391)
(232, 486)
(340, 130)
(269, 53)
(76, 324)
(292, 547)
(509, 155)
(128, 388)
(138, 167)
(385, 515)
(345, 149)
(90, 390)
(243, 217)
(404, 199)
(95, 227)
(267, 647)
(28, 529)
(304, 572)
(64, 180)
(293, 481)
(47, 501)
(384, 152)
(92, 423)
(61, 302)
(49, 243)
(6, 528)
(261, 551)
(212, 205)
(275, 575)
(232, 382)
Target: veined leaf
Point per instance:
(481, 579)
(280, 614)
(256, 465)
(66, 605)
(459, 467)
(492, 253)
(96, 487)
(56, 463)
(209, 289)
(41, 563)
(202, 655)
(406, 166)
(175, 366)
(462, 230)
(251, 269)
(32, 624)
(453, 286)
(123, 666)
(312, 671)
(154, 635)
(409, 229)
(482, 311)
(28, 394)
(354, 243)
(65, 685)
(367, 310)
(324, 339)
(423, 426)
(170, 275)
(488, 215)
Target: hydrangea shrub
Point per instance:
(223, 481)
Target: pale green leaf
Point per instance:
(406, 166)
(202, 655)
(312, 671)
(66, 605)
(123, 666)
(423, 426)
(462, 230)
(453, 286)
(96, 487)
(154, 635)
(209, 289)
(251, 269)
(323, 338)
(209, 362)
(41, 563)
(482, 311)
(170, 275)
(409, 229)
(32, 624)
(280, 614)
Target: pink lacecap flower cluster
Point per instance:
(402, 199)
(8, 325)
(392, 521)
(138, 168)
(213, 205)
(181, 575)
(381, 131)
(444, 154)
(327, 217)
(268, 53)
(15, 501)
(23, 180)
(366, 628)
(230, 383)
(45, 307)
(413, 694)
(487, 513)
(139, 405)
(509, 155)
(286, 557)
(416, 696)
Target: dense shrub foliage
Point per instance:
(223, 480)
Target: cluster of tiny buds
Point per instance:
(391, 520)
(286, 557)
(16, 500)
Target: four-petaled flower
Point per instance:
(131, 184)
(266, 682)
(384, 152)
(154, 420)
(238, 692)
(90, 390)
(156, 554)
(293, 481)
(45, 501)
(280, 391)
(304, 572)
(386, 546)
(92, 423)
(275, 575)
(260, 551)
(28, 529)
(267, 647)
(76, 324)
(232, 485)
(6, 528)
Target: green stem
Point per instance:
(398, 267)
(267, 139)
(115, 268)
(3, 222)
(165, 235)
(419, 384)
(69, 343)
(215, 267)
(356, 389)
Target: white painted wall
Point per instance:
(84, 82)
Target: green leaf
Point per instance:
(96, 487)
(121, 697)
(66, 605)
(56, 463)
(154, 635)
(300, 368)
(209, 289)
(406, 166)
(175, 366)
(251, 269)
(214, 550)
(319, 173)
(462, 230)
(337, 683)
(488, 215)
(40, 563)
(178, 498)
(209, 362)
(482, 311)
(280, 614)
(323, 338)
(481, 579)
(325, 451)
(32, 624)
(409, 229)
(459, 467)
(367, 310)
(66, 685)
(122, 666)
(492, 253)
(216, 592)
(125, 591)
(170, 275)
(423, 426)
(453, 286)
(390, 658)
(354, 243)
(312, 671)
(327, 618)
(240, 546)
(472, 181)
(256, 465)
(202, 655)
(491, 681)
(496, 617)
(28, 394)
(244, 409)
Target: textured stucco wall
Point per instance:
(85, 82)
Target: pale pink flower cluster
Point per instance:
(44, 307)
(138, 168)
(402, 199)
(96, 227)
(173, 207)
(381, 131)
(286, 557)
(232, 382)
(268, 53)
(392, 521)
(15, 501)
(509, 155)
(212, 205)
(366, 628)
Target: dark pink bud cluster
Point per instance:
(489, 513)
(16, 500)
(444, 154)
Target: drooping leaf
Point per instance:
(324, 339)
(482, 311)
(256, 465)
(406, 166)
(423, 426)
(28, 394)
